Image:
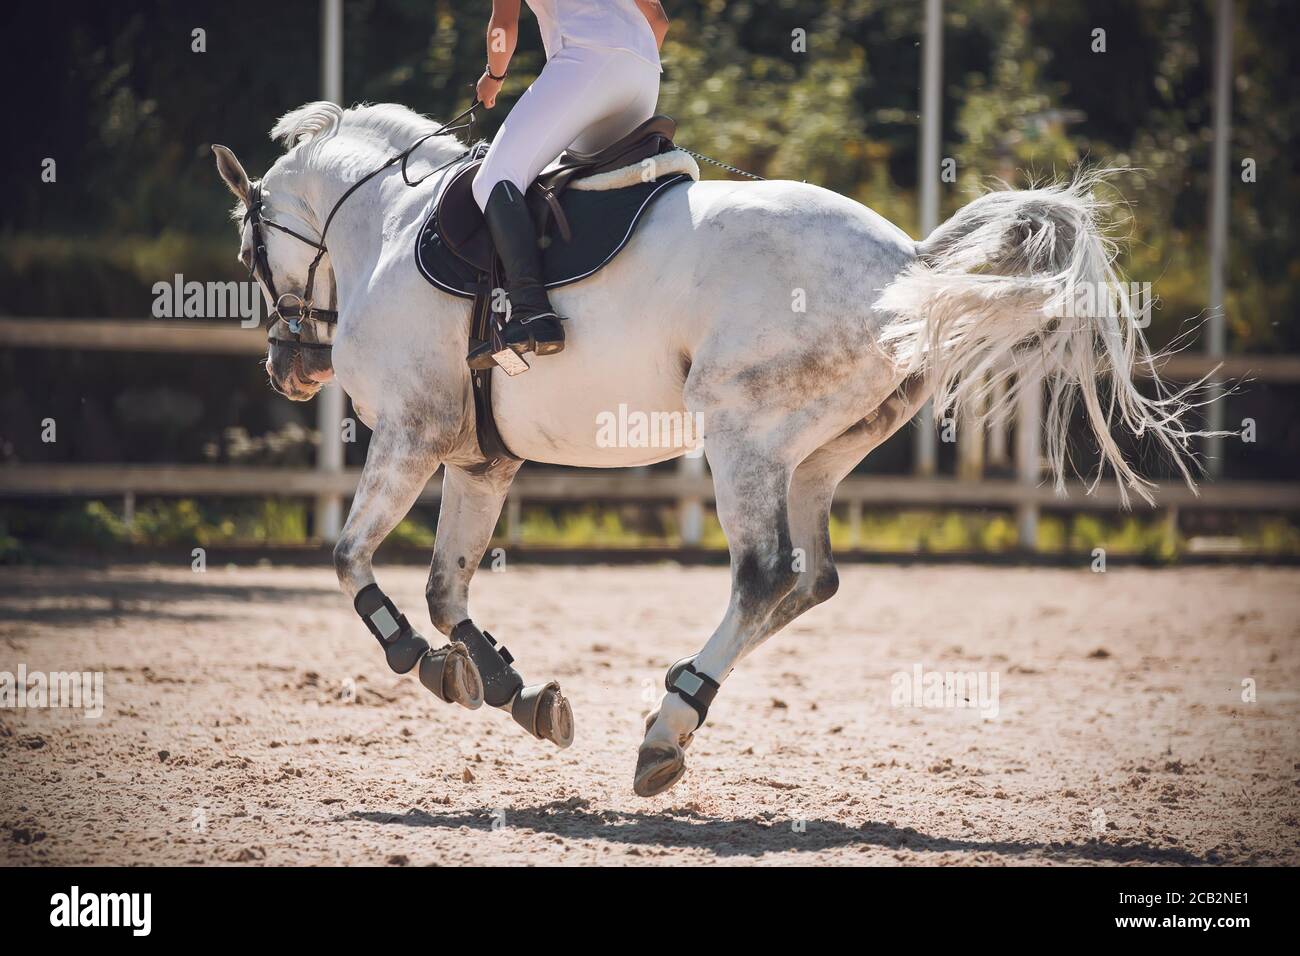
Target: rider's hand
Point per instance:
(487, 90)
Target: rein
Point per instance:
(294, 309)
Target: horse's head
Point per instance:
(278, 246)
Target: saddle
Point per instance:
(459, 221)
(585, 207)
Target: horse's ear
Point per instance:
(232, 172)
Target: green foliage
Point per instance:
(104, 275)
(187, 522)
(1025, 96)
(588, 526)
(184, 521)
(177, 522)
(278, 520)
(11, 549)
(912, 531)
(412, 534)
(1150, 537)
(88, 524)
(130, 113)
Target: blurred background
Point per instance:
(168, 435)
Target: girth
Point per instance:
(483, 326)
(454, 250)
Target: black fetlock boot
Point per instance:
(534, 326)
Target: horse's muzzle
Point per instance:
(298, 373)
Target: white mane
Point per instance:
(389, 125)
(380, 130)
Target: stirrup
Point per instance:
(495, 353)
(509, 355)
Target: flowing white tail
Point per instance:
(1020, 286)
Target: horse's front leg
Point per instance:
(395, 473)
(471, 504)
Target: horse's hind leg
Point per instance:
(395, 473)
(752, 486)
(471, 504)
(806, 508)
(812, 491)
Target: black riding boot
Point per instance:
(534, 325)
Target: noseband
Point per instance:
(290, 307)
(294, 309)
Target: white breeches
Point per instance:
(585, 97)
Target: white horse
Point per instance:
(801, 328)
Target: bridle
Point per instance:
(293, 309)
(292, 315)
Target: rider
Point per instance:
(601, 81)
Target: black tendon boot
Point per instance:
(533, 325)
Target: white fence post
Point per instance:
(330, 401)
(926, 453)
(970, 445)
(1029, 430)
(1216, 331)
(997, 432)
(514, 520)
(690, 509)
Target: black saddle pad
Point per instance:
(601, 222)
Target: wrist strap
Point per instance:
(487, 68)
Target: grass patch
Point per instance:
(100, 525)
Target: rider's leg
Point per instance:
(534, 325)
(636, 105)
(579, 88)
(585, 96)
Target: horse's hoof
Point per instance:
(650, 719)
(555, 717)
(545, 713)
(450, 673)
(658, 767)
(462, 682)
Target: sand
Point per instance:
(249, 718)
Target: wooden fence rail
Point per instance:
(591, 485)
(226, 337)
(689, 487)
